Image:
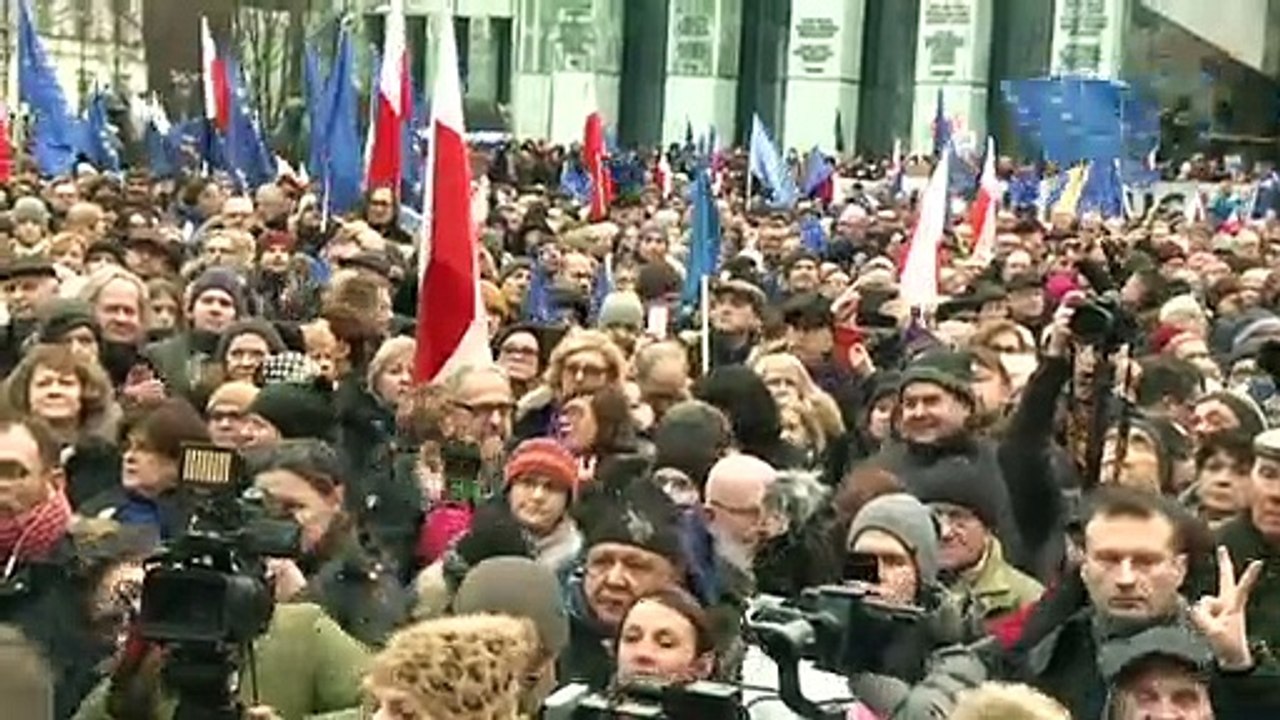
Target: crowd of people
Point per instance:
(1064, 470)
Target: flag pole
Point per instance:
(705, 313)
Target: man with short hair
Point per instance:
(733, 502)
(237, 213)
(736, 309)
(215, 300)
(1135, 560)
(484, 408)
(662, 374)
(42, 595)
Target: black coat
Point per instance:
(49, 603)
(92, 469)
(359, 591)
(381, 491)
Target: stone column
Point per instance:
(569, 61)
(953, 53)
(824, 68)
(1088, 37)
(703, 44)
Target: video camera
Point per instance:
(1103, 322)
(703, 700)
(206, 593)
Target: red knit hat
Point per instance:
(545, 458)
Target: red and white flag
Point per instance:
(6, 146)
(982, 214)
(391, 105)
(662, 175)
(452, 326)
(918, 285)
(593, 158)
(217, 87)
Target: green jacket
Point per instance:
(306, 665)
(995, 586)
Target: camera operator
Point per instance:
(301, 480)
(1135, 559)
(303, 665)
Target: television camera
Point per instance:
(206, 595)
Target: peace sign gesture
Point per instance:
(1221, 618)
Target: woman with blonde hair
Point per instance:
(467, 667)
(73, 396)
(585, 361)
(795, 391)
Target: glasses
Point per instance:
(518, 350)
(746, 513)
(584, 369)
(488, 408)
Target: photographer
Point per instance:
(301, 480)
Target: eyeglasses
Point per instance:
(584, 369)
(487, 408)
(746, 513)
(518, 350)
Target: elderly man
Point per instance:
(237, 213)
(483, 407)
(734, 505)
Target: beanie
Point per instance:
(621, 308)
(59, 316)
(956, 480)
(908, 520)
(1252, 421)
(296, 410)
(219, 278)
(545, 458)
(519, 587)
(30, 209)
(948, 369)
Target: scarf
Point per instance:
(33, 534)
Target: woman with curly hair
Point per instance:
(73, 395)
(584, 362)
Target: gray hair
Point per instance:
(313, 460)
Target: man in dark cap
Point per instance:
(29, 281)
(70, 322)
(1026, 301)
(631, 547)
(1164, 672)
(214, 301)
(737, 307)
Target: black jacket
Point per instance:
(359, 591)
(49, 603)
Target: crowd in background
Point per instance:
(606, 500)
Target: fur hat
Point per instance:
(463, 667)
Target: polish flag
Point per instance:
(919, 281)
(593, 158)
(392, 103)
(217, 87)
(452, 327)
(662, 175)
(6, 149)
(982, 214)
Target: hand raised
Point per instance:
(1221, 618)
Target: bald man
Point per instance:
(734, 500)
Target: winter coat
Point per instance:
(293, 296)
(380, 491)
(996, 587)
(183, 361)
(92, 466)
(171, 511)
(48, 603)
(359, 591)
(305, 665)
(588, 658)
(535, 416)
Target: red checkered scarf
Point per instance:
(33, 534)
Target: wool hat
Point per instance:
(59, 316)
(219, 278)
(545, 458)
(641, 515)
(519, 587)
(296, 410)
(1175, 642)
(621, 308)
(907, 519)
(1252, 420)
(691, 437)
(948, 369)
(956, 480)
(29, 209)
(237, 394)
